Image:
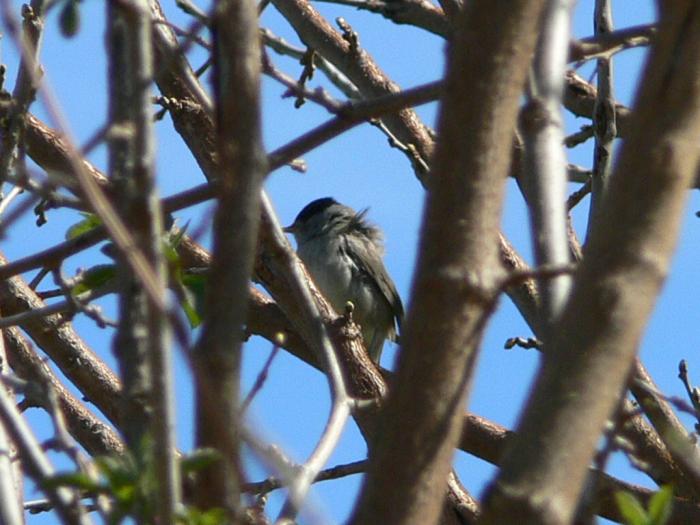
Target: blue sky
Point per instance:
(359, 170)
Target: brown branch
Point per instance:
(189, 105)
(242, 166)
(24, 93)
(418, 13)
(11, 481)
(604, 115)
(36, 463)
(450, 304)
(338, 79)
(607, 44)
(589, 361)
(142, 340)
(490, 441)
(580, 97)
(339, 471)
(60, 342)
(359, 67)
(97, 437)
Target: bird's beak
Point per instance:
(289, 229)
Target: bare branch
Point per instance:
(545, 161)
(11, 483)
(604, 120)
(339, 471)
(457, 267)
(593, 352)
(241, 170)
(34, 460)
(70, 353)
(93, 434)
(419, 13)
(606, 44)
(317, 334)
(359, 67)
(142, 341)
(28, 78)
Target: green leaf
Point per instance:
(69, 20)
(174, 239)
(192, 298)
(95, 277)
(199, 459)
(660, 506)
(117, 471)
(193, 516)
(76, 480)
(90, 222)
(171, 244)
(171, 255)
(191, 312)
(632, 511)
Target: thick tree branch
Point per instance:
(545, 162)
(242, 166)
(60, 342)
(457, 267)
(93, 434)
(142, 341)
(587, 366)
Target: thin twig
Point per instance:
(604, 117)
(36, 464)
(581, 136)
(64, 442)
(693, 392)
(53, 256)
(337, 78)
(423, 15)
(191, 9)
(605, 45)
(76, 304)
(7, 200)
(28, 79)
(68, 307)
(515, 278)
(262, 377)
(336, 472)
(578, 195)
(10, 494)
(296, 89)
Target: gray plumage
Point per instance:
(343, 254)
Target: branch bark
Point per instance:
(345, 53)
(585, 370)
(142, 341)
(241, 168)
(452, 294)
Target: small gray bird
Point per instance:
(343, 254)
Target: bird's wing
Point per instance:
(373, 265)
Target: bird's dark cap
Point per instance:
(309, 211)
